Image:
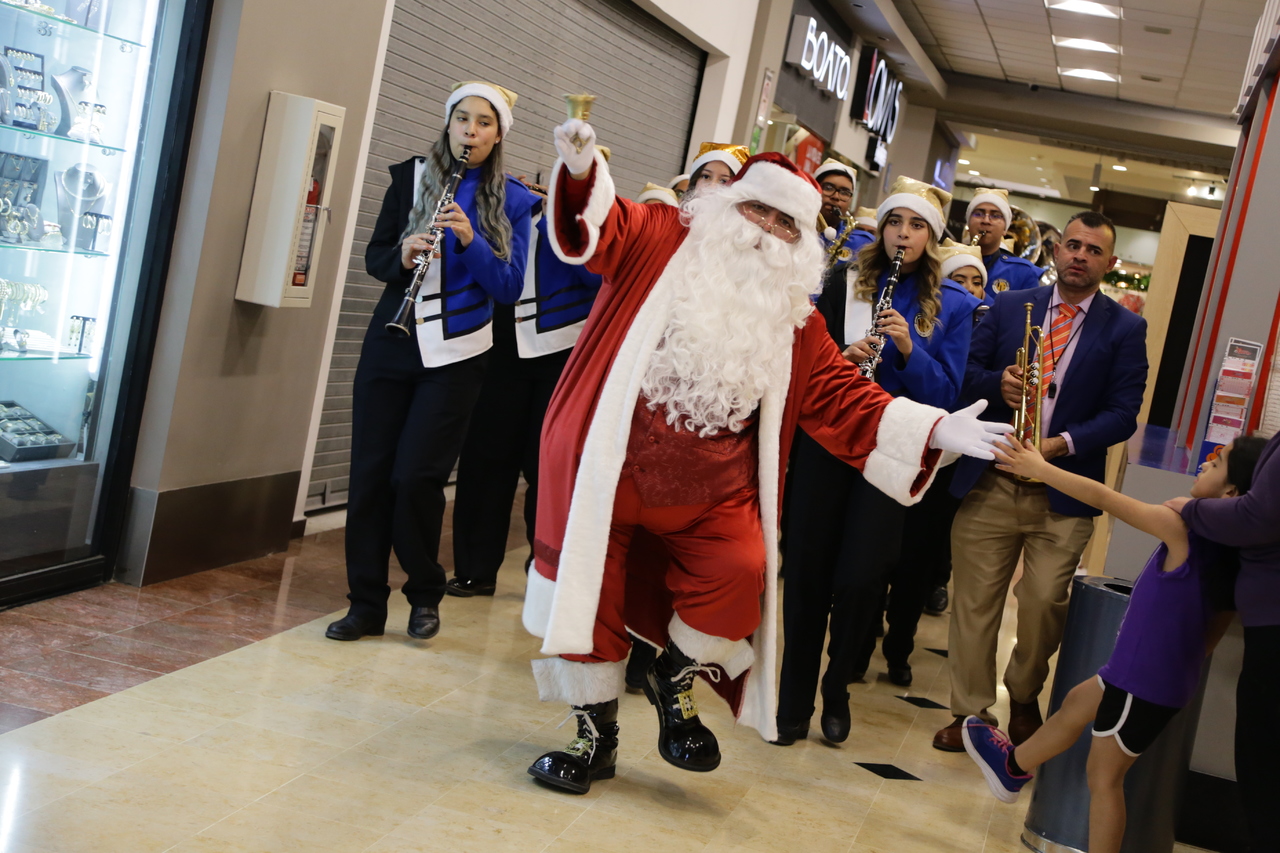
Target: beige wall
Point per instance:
(233, 385)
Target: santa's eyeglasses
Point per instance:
(783, 227)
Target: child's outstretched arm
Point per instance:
(1156, 519)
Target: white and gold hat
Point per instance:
(957, 256)
(991, 195)
(656, 193)
(833, 165)
(732, 156)
(503, 100)
(866, 217)
(926, 200)
(671, 184)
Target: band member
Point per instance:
(715, 165)
(664, 443)
(679, 184)
(838, 183)
(413, 395)
(1095, 357)
(988, 217)
(654, 194)
(865, 219)
(843, 532)
(531, 343)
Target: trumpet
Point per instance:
(400, 325)
(884, 303)
(1030, 409)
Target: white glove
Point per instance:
(962, 432)
(577, 161)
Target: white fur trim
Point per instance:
(539, 592)
(577, 683)
(599, 203)
(677, 179)
(775, 186)
(847, 171)
(490, 94)
(960, 261)
(735, 656)
(664, 196)
(990, 198)
(902, 439)
(916, 204)
(725, 157)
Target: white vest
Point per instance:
(530, 342)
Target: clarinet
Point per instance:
(885, 302)
(404, 317)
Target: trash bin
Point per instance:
(1058, 819)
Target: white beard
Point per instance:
(739, 295)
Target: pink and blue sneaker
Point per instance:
(990, 749)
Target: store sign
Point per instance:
(818, 56)
(880, 109)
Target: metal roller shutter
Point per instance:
(646, 77)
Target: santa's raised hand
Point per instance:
(962, 432)
(578, 160)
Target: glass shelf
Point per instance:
(49, 250)
(68, 24)
(110, 149)
(41, 355)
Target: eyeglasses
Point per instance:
(784, 229)
(839, 192)
(994, 216)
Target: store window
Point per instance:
(84, 88)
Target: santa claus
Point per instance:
(664, 443)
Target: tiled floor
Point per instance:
(214, 743)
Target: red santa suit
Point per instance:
(696, 588)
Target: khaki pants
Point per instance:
(999, 521)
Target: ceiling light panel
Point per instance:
(1084, 7)
(1086, 44)
(1089, 74)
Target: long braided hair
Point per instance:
(874, 259)
(491, 195)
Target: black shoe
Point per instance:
(424, 622)
(789, 733)
(900, 675)
(937, 602)
(467, 588)
(836, 720)
(592, 755)
(682, 738)
(858, 677)
(354, 626)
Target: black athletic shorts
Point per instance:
(1135, 723)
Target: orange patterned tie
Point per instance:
(1059, 337)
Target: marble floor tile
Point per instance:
(185, 638)
(136, 653)
(91, 672)
(43, 694)
(260, 828)
(15, 716)
(22, 636)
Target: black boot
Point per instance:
(682, 738)
(592, 755)
(642, 657)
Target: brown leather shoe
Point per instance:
(1024, 720)
(951, 738)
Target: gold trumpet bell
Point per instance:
(579, 106)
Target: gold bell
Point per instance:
(579, 106)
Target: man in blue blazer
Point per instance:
(1095, 375)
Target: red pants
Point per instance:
(715, 571)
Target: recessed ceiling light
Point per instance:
(1095, 189)
(1088, 74)
(1084, 7)
(1086, 44)
(1120, 168)
(963, 162)
(1039, 168)
(974, 172)
(1191, 190)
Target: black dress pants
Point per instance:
(408, 425)
(1257, 746)
(843, 536)
(502, 443)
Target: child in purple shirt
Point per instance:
(1154, 670)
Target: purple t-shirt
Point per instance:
(1161, 646)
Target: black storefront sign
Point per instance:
(875, 104)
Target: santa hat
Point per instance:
(502, 100)
(732, 156)
(925, 200)
(990, 195)
(671, 184)
(833, 165)
(866, 217)
(653, 192)
(771, 178)
(956, 256)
